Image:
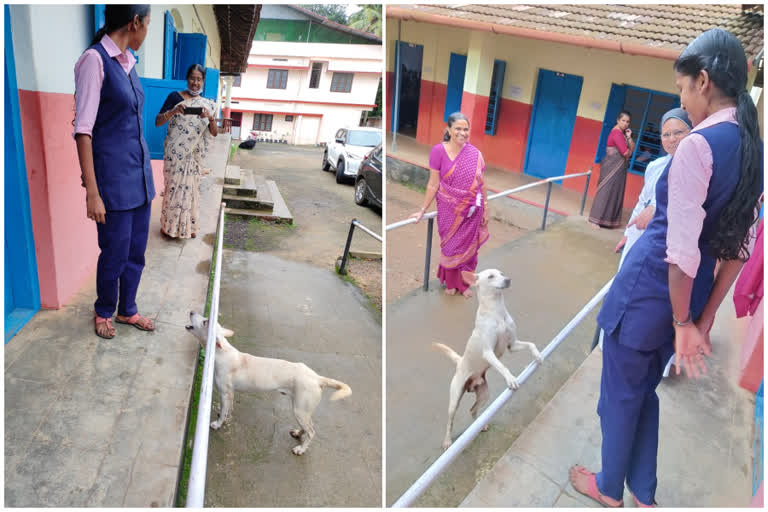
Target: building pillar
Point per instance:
(477, 80)
(228, 84)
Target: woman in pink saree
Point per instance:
(456, 179)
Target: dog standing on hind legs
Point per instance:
(237, 371)
(494, 333)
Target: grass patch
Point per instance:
(181, 495)
(413, 186)
(370, 303)
(232, 150)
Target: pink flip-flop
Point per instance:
(639, 504)
(134, 321)
(592, 491)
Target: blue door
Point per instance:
(169, 47)
(155, 93)
(455, 87)
(190, 49)
(612, 109)
(405, 113)
(554, 114)
(22, 290)
(211, 90)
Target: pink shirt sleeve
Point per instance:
(617, 140)
(688, 182)
(89, 75)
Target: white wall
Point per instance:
(333, 118)
(45, 61)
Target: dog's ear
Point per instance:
(469, 278)
(226, 332)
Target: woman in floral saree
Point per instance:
(184, 152)
(457, 181)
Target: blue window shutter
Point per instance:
(169, 46)
(612, 109)
(494, 97)
(190, 50)
(455, 86)
(211, 89)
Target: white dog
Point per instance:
(494, 333)
(236, 371)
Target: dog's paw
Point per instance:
(484, 429)
(447, 443)
(538, 357)
(296, 433)
(512, 383)
(298, 450)
(215, 425)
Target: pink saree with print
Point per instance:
(460, 211)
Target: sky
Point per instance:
(352, 8)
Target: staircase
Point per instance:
(249, 195)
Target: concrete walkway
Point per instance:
(706, 433)
(553, 274)
(93, 422)
(298, 312)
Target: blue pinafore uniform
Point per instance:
(124, 179)
(637, 319)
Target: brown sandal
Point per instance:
(137, 321)
(99, 321)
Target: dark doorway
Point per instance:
(408, 65)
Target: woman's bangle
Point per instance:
(685, 322)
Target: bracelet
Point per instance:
(684, 322)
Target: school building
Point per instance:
(51, 247)
(542, 84)
(306, 78)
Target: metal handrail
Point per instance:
(196, 487)
(355, 223)
(431, 215)
(432, 472)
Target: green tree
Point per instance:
(334, 12)
(367, 19)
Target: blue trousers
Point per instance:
(629, 418)
(122, 240)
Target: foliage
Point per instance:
(334, 12)
(367, 19)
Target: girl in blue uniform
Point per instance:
(114, 160)
(664, 298)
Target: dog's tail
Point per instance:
(448, 351)
(343, 390)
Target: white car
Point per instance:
(348, 149)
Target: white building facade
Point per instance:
(303, 92)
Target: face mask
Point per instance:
(194, 93)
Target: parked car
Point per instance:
(346, 152)
(368, 180)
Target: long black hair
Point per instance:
(117, 16)
(456, 116)
(721, 55)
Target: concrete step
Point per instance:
(232, 175)
(247, 203)
(240, 190)
(280, 212)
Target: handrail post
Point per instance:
(345, 256)
(546, 207)
(428, 259)
(584, 197)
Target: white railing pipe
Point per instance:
(196, 487)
